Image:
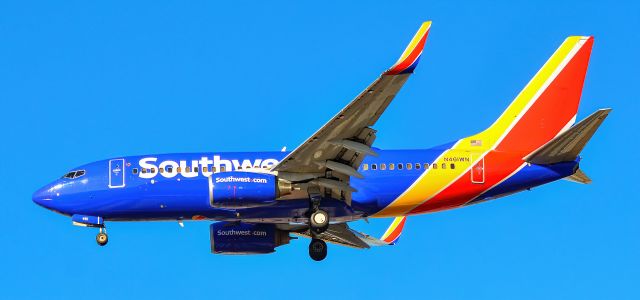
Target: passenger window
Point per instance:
(187, 169)
(417, 166)
(213, 169)
(239, 167)
(374, 166)
(383, 167)
(169, 170)
(426, 166)
(365, 167)
(223, 168)
(144, 171)
(153, 170)
(135, 170)
(195, 169)
(205, 169)
(453, 166)
(161, 170)
(179, 169)
(434, 166)
(408, 166)
(392, 166)
(400, 166)
(444, 166)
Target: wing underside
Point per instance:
(341, 234)
(327, 160)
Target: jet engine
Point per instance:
(246, 238)
(245, 189)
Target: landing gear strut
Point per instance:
(317, 249)
(318, 218)
(318, 223)
(102, 238)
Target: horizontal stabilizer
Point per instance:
(568, 145)
(579, 177)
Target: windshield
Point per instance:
(74, 174)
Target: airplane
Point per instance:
(256, 201)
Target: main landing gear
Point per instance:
(317, 249)
(318, 223)
(318, 218)
(102, 238)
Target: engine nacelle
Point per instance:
(245, 189)
(246, 238)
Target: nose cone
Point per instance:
(43, 197)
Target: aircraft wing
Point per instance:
(333, 154)
(341, 234)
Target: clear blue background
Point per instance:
(84, 81)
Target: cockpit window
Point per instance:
(74, 174)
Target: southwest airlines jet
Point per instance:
(257, 200)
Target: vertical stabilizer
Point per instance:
(546, 106)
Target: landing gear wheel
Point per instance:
(319, 221)
(102, 239)
(317, 249)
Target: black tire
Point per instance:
(319, 221)
(317, 249)
(102, 239)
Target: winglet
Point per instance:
(410, 57)
(394, 231)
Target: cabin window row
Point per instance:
(407, 166)
(186, 169)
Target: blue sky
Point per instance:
(85, 81)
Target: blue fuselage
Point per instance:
(174, 186)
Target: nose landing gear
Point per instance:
(102, 238)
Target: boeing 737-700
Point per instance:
(257, 200)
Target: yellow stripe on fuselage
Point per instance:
(430, 183)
